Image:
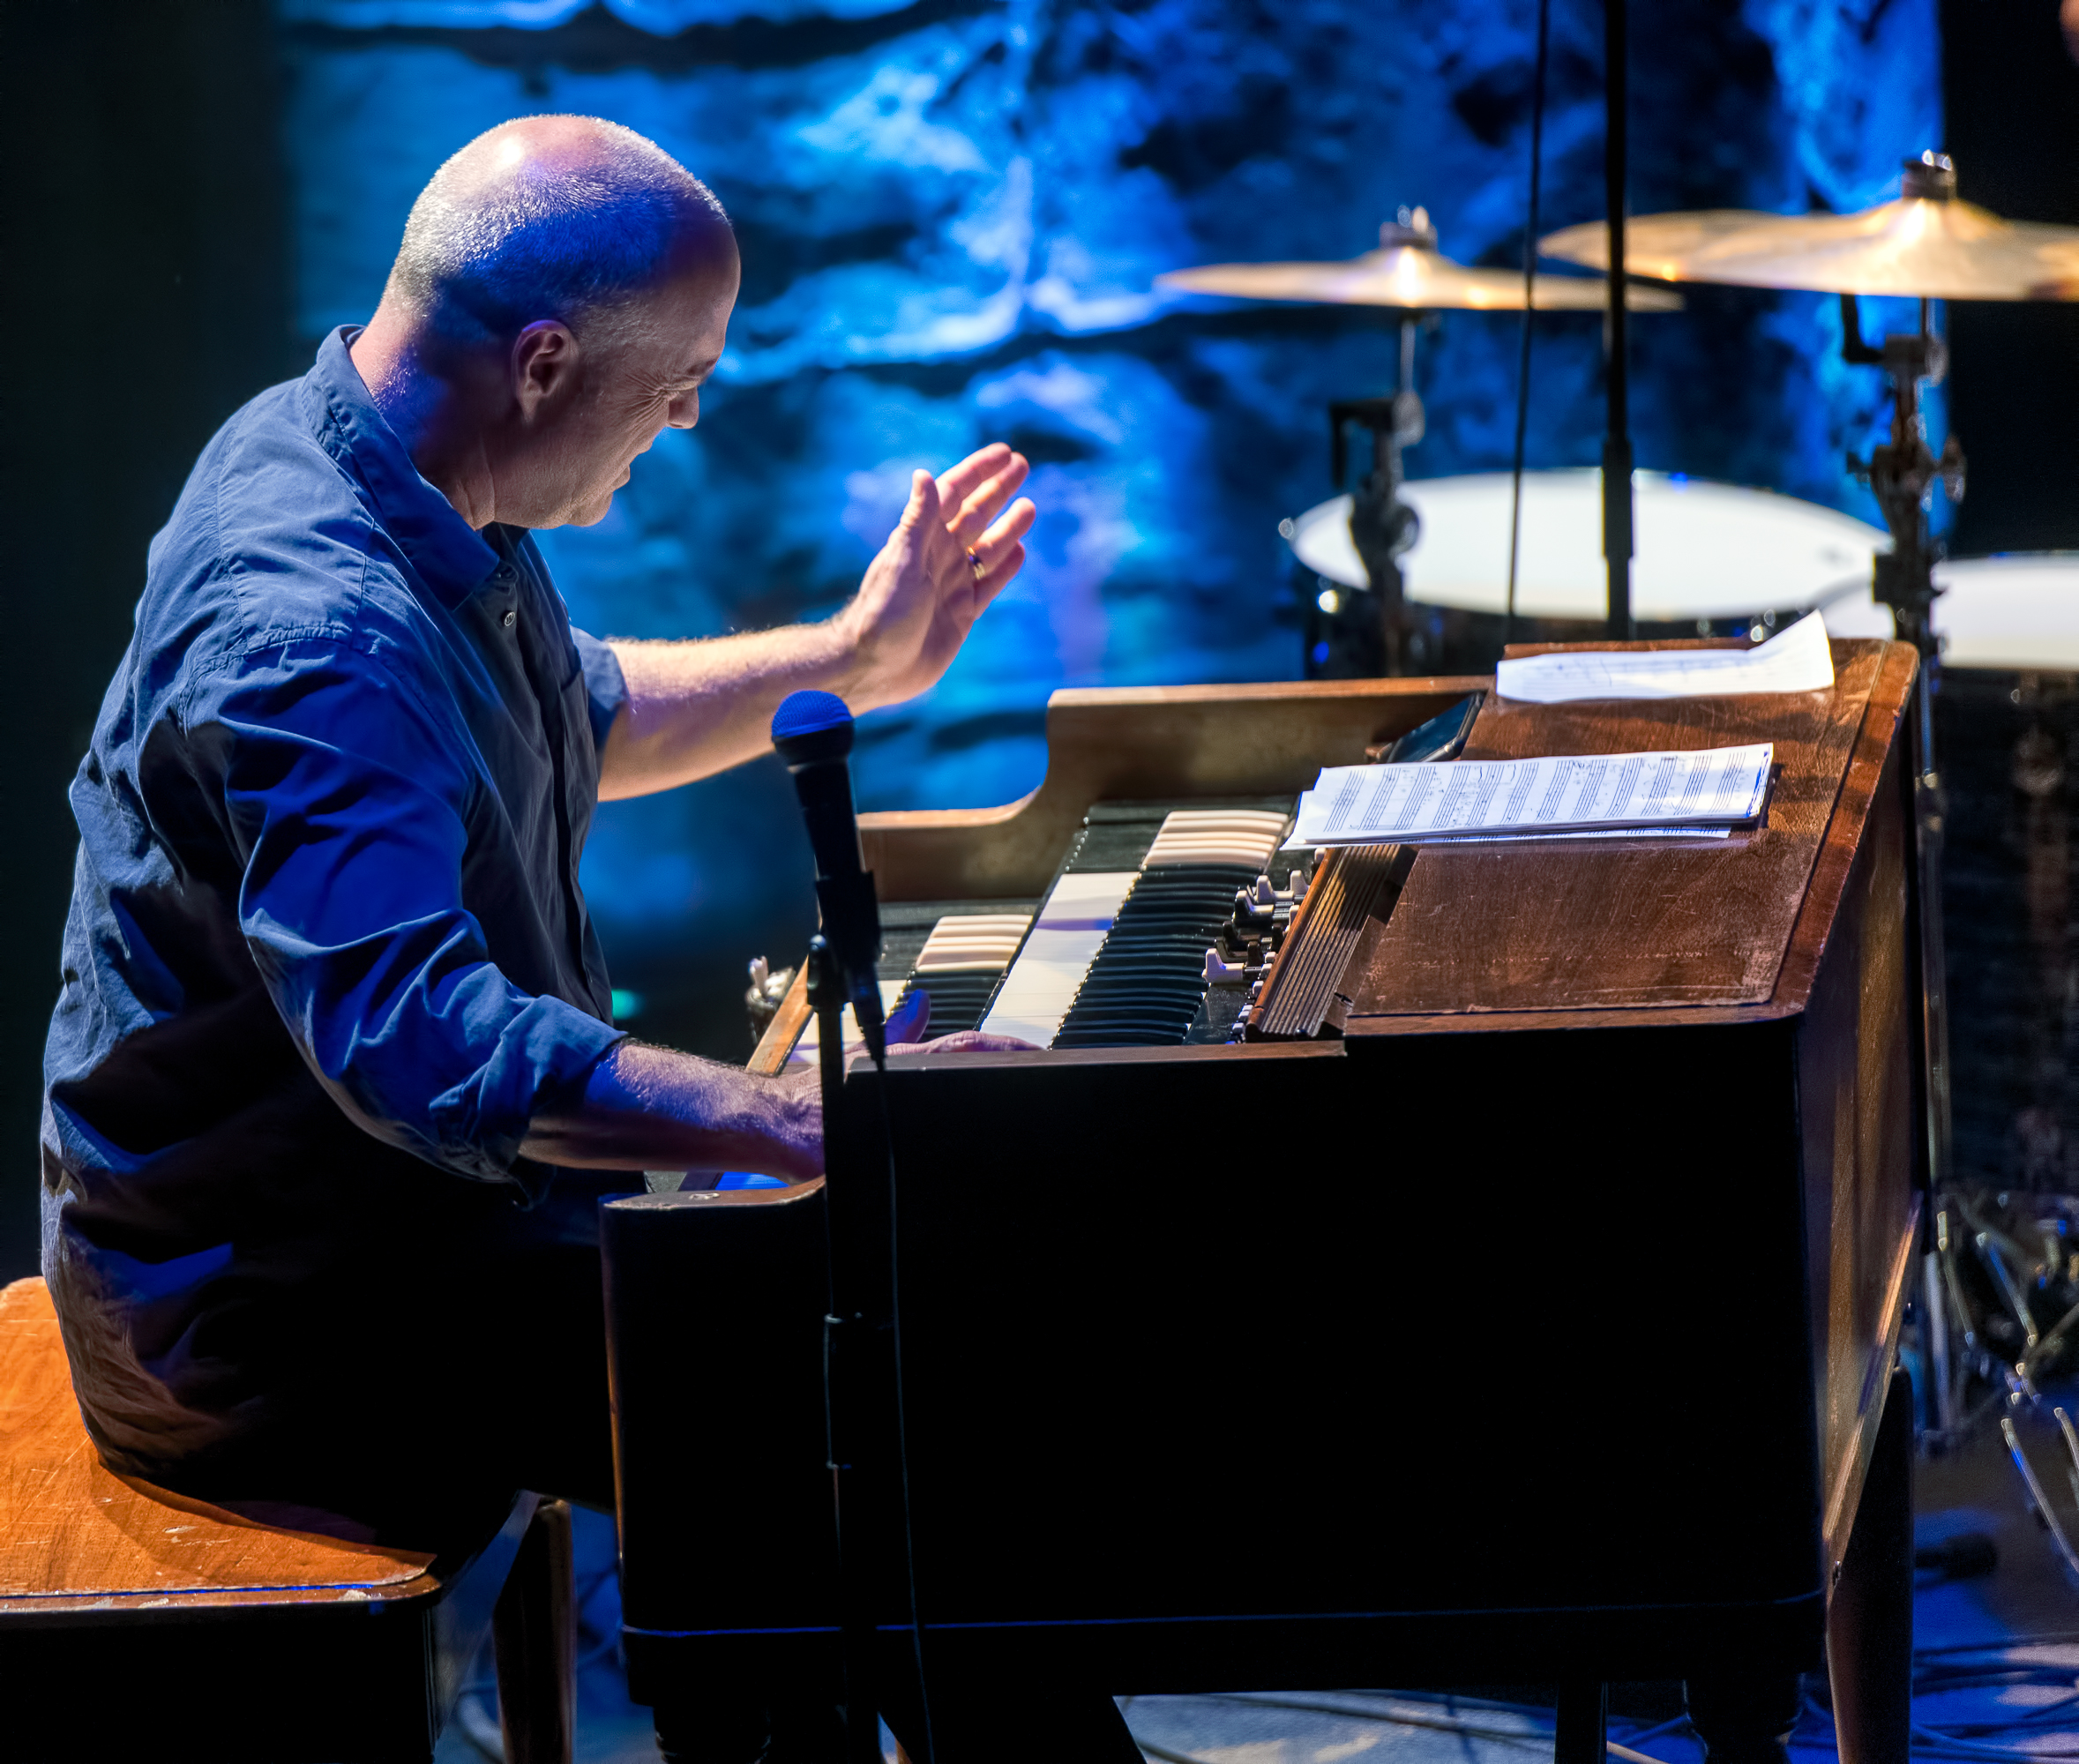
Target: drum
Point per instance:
(2019, 611)
(2006, 727)
(1713, 559)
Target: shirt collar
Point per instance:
(452, 558)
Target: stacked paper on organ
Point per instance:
(1712, 789)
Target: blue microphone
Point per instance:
(812, 733)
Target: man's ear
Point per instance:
(545, 364)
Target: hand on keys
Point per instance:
(908, 1021)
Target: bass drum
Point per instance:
(1713, 560)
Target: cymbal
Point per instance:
(1929, 245)
(1410, 272)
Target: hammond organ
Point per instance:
(1482, 1264)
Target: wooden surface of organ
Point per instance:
(1529, 1319)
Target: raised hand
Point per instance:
(955, 548)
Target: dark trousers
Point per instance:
(463, 1370)
(480, 1369)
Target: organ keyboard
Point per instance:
(1510, 1292)
(1152, 932)
(1117, 955)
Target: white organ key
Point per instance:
(1237, 857)
(1223, 820)
(1245, 836)
(1042, 982)
(976, 943)
(1223, 841)
(1212, 841)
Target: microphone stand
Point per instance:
(851, 1339)
(1618, 546)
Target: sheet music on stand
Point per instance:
(1700, 793)
(1796, 660)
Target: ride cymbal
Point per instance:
(1926, 244)
(1408, 271)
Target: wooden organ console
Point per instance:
(1510, 1292)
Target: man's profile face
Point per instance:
(641, 375)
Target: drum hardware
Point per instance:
(1935, 1308)
(2003, 1278)
(2071, 1439)
(1984, 1346)
(1925, 244)
(1708, 553)
(1370, 630)
(2040, 1502)
(1958, 1345)
(1902, 473)
(1382, 525)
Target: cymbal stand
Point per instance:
(1382, 525)
(1902, 474)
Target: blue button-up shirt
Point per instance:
(326, 953)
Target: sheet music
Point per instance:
(1594, 832)
(1796, 660)
(1639, 792)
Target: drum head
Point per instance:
(1705, 550)
(2020, 610)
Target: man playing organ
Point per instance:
(331, 1082)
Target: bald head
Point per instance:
(564, 218)
(563, 290)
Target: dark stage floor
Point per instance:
(1960, 1628)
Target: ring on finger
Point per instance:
(975, 564)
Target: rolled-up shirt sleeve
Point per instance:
(606, 687)
(348, 799)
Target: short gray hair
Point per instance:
(496, 243)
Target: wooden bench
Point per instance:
(137, 1623)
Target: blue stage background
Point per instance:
(951, 213)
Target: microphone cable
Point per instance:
(1515, 501)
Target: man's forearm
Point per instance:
(647, 1108)
(700, 708)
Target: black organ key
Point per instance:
(961, 964)
(1119, 953)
